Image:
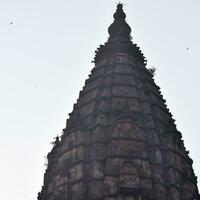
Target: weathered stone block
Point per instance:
(146, 109)
(88, 96)
(78, 191)
(106, 92)
(80, 137)
(97, 151)
(146, 184)
(159, 192)
(121, 104)
(98, 134)
(93, 84)
(101, 119)
(87, 109)
(126, 148)
(96, 189)
(124, 91)
(124, 79)
(96, 170)
(145, 169)
(149, 121)
(104, 105)
(120, 68)
(111, 185)
(75, 173)
(113, 166)
(174, 194)
(128, 131)
(157, 174)
(152, 137)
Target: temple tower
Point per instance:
(120, 141)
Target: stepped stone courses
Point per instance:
(120, 141)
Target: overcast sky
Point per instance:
(46, 48)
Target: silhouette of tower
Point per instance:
(120, 141)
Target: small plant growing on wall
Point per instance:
(152, 71)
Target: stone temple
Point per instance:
(120, 141)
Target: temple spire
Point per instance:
(120, 141)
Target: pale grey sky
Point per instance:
(45, 57)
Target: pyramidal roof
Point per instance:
(120, 141)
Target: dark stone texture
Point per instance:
(120, 141)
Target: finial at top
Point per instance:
(120, 5)
(119, 26)
(119, 14)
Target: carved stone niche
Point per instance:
(129, 179)
(128, 129)
(129, 176)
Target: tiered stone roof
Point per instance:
(120, 141)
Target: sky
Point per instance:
(46, 49)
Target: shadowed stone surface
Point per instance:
(120, 141)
